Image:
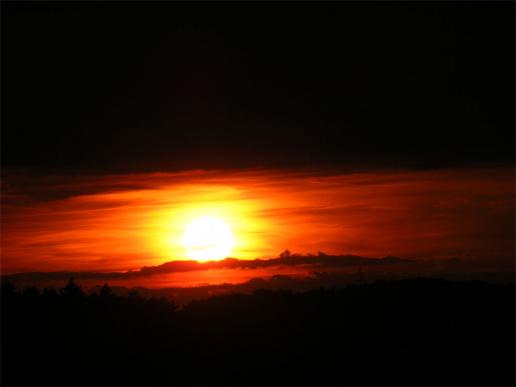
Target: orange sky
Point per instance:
(128, 221)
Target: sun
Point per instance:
(207, 238)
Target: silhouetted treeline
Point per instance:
(408, 332)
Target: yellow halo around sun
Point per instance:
(207, 238)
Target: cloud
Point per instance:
(313, 262)
(184, 281)
(121, 222)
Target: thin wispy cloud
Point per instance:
(123, 222)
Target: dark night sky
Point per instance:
(105, 87)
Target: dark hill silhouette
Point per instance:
(406, 332)
(315, 271)
(320, 262)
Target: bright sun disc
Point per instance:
(207, 238)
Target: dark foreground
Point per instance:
(410, 332)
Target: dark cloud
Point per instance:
(321, 261)
(319, 272)
(319, 265)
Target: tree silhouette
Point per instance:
(72, 290)
(8, 289)
(31, 292)
(321, 336)
(106, 292)
(134, 295)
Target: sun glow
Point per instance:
(132, 221)
(207, 238)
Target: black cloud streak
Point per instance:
(321, 261)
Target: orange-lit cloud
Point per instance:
(129, 221)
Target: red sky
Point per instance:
(123, 222)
